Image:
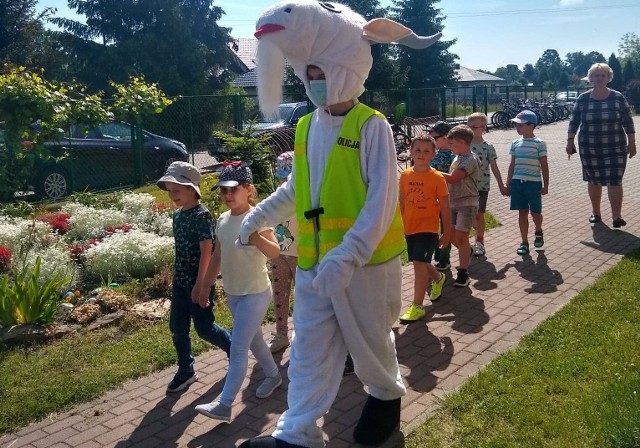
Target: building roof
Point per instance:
(247, 51)
(247, 79)
(470, 75)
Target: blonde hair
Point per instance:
(253, 194)
(600, 66)
(461, 132)
(477, 116)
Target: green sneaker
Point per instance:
(414, 313)
(523, 249)
(436, 288)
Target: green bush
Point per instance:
(26, 300)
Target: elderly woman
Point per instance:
(607, 136)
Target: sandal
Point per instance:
(523, 249)
(539, 241)
(595, 218)
(619, 222)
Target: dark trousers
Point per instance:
(182, 311)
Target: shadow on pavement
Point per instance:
(161, 421)
(543, 279)
(611, 241)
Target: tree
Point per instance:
(434, 66)
(511, 73)
(529, 72)
(629, 73)
(20, 29)
(554, 66)
(617, 82)
(579, 63)
(633, 94)
(629, 48)
(176, 44)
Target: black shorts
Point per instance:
(421, 246)
(482, 201)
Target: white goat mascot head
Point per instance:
(328, 35)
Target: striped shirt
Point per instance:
(527, 153)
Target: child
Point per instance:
(192, 230)
(246, 281)
(528, 178)
(423, 199)
(283, 268)
(442, 162)
(463, 196)
(486, 155)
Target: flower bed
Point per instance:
(85, 247)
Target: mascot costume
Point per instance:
(344, 193)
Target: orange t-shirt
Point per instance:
(420, 192)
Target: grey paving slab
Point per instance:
(508, 297)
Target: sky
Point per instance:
(489, 33)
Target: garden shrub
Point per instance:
(26, 299)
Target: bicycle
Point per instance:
(401, 140)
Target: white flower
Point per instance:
(126, 255)
(88, 222)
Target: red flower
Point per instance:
(77, 250)
(59, 222)
(113, 229)
(5, 258)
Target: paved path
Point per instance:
(464, 331)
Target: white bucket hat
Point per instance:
(182, 173)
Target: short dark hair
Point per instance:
(461, 132)
(423, 138)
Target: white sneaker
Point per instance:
(278, 342)
(215, 410)
(268, 386)
(478, 249)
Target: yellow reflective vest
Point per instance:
(342, 195)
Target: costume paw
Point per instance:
(267, 442)
(379, 419)
(333, 277)
(251, 223)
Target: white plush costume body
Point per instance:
(342, 304)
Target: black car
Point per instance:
(280, 132)
(101, 158)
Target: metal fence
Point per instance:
(99, 162)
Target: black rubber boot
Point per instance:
(379, 419)
(267, 442)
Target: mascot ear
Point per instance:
(384, 31)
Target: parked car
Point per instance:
(279, 131)
(567, 97)
(101, 158)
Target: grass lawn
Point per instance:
(573, 382)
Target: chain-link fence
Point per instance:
(191, 129)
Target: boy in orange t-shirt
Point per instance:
(423, 199)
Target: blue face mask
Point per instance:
(318, 92)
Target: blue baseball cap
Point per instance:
(526, 116)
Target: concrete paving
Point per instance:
(508, 297)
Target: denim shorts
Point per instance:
(421, 246)
(526, 195)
